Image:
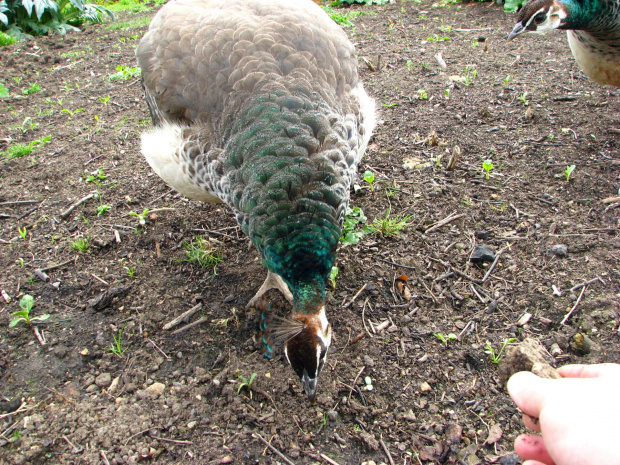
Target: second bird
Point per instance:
(593, 28)
(258, 104)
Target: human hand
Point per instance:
(578, 416)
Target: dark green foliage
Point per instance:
(363, 2)
(21, 18)
(513, 5)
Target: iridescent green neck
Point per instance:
(309, 297)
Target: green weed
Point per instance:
(124, 73)
(246, 384)
(26, 303)
(568, 171)
(21, 150)
(81, 244)
(387, 226)
(495, 357)
(353, 217)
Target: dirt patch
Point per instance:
(176, 398)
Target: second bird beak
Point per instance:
(518, 30)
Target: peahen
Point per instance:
(258, 104)
(593, 28)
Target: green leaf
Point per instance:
(26, 303)
(21, 313)
(14, 322)
(41, 317)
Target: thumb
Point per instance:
(529, 392)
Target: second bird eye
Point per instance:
(539, 18)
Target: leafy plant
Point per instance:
(104, 100)
(202, 252)
(523, 97)
(352, 218)
(447, 94)
(246, 384)
(32, 89)
(130, 271)
(117, 346)
(6, 39)
(332, 276)
(81, 244)
(342, 19)
(71, 113)
(422, 95)
(22, 18)
(444, 338)
(96, 177)
(363, 2)
(141, 218)
(369, 177)
(28, 125)
(23, 233)
(26, 303)
(387, 226)
(4, 92)
(511, 6)
(21, 150)
(568, 171)
(124, 73)
(469, 75)
(495, 357)
(487, 165)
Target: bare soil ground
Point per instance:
(175, 398)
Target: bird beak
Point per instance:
(518, 30)
(309, 386)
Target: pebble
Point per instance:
(482, 254)
(369, 362)
(581, 343)
(454, 433)
(155, 389)
(425, 387)
(332, 415)
(103, 380)
(559, 250)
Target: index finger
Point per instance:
(589, 371)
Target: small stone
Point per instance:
(511, 459)
(410, 416)
(369, 362)
(454, 433)
(484, 235)
(482, 254)
(559, 250)
(524, 319)
(332, 415)
(103, 380)
(114, 386)
(155, 389)
(92, 388)
(555, 349)
(425, 387)
(191, 424)
(88, 380)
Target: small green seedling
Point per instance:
(487, 165)
(409, 65)
(71, 113)
(495, 358)
(523, 98)
(444, 338)
(26, 303)
(117, 346)
(21, 150)
(202, 252)
(104, 100)
(101, 209)
(369, 177)
(332, 276)
(81, 244)
(23, 233)
(141, 218)
(124, 73)
(245, 384)
(28, 125)
(387, 226)
(447, 94)
(568, 171)
(4, 92)
(507, 80)
(130, 271)
(353, 217)
(33, 89)
(422, 95)
(97, 177)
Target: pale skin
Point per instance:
(578, 416)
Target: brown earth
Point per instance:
(431, 401)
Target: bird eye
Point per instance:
(539, 18)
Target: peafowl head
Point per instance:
(306, 339)
(540, 16)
